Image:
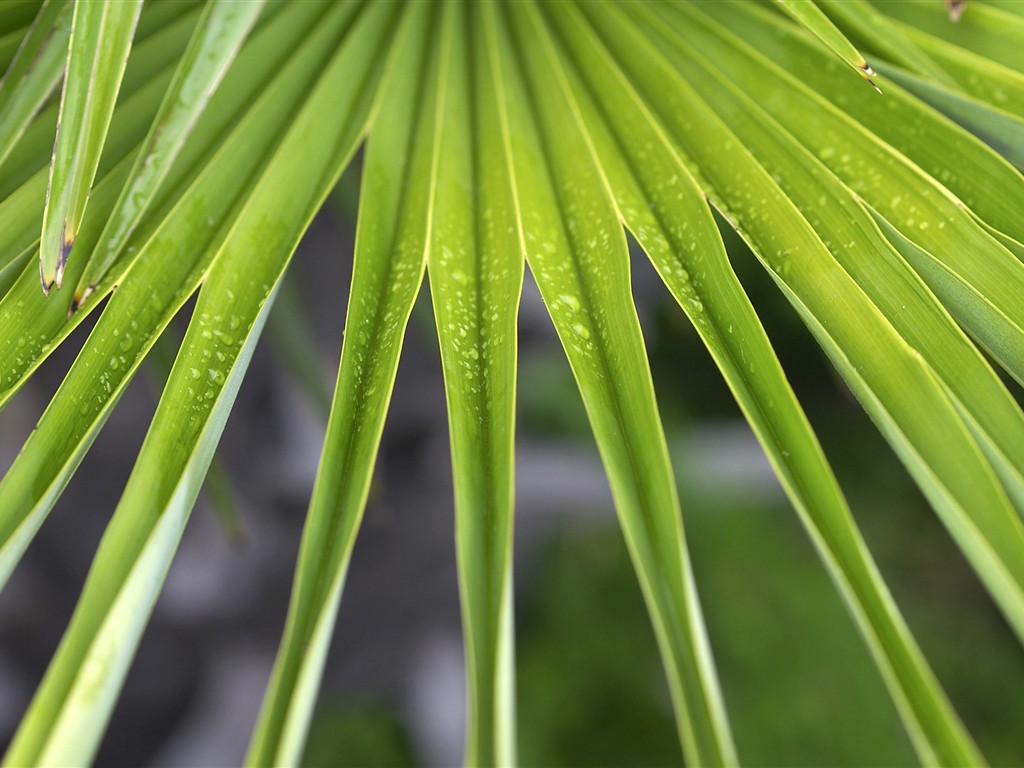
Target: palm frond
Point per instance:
(193, 144)
(101, 38)
(388, 267)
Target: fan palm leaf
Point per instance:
(192, 144)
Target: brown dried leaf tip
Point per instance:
(867, 73)
(955, 9)
(47, 284)
(79, 299)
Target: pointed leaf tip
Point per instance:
(955, 9)
(52, 275)
(101, 39)
(81, 294)
(811, 17)
(46, 282)
(868, 73)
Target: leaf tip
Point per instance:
(47, 282)
(52, 275)
(868, 73)
(81, 294)
(955, 8)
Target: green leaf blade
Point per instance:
(982, 28)
(34, 73)
(219, 34)
(34, 326)
(70, 710)
(975, 283)
(173, 260)
(577, 253)
(903, 395)
(392, 235)
(991, 189)
(152, 53)
(976, 75)
(101, 38)
(864, 20)
(476, 275)
(1001, 130)
(810, 16)
(681, 242)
